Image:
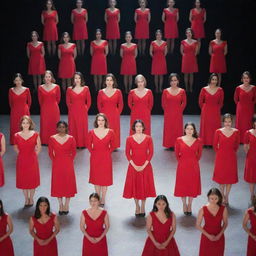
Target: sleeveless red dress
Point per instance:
(189, 61)
(1, 165)
(218, 60)
(251, 245)
(50, 26)
(36, 65)
(170, 24)
(79, 25)
(159, 66)
(197, 23)
(213, 226)
(6, 247)
(161, 232)
(95, 228)
(128, 65)
(142, 24)
(112, 26)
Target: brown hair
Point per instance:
(18, 75)
(35, 32)
(253, 122)
(31, 123)
(138, 77)
(195, 134)
(114, 80)
(81, 77)
(51, 1)
(49, 72)
(96, 120)
(173, 75)
(216, 192)
(210, 78)
(62, 37)
(138, 121)
(246, 73)
(226, 116)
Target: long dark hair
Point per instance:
(254, 203)
(195, 134)
(167, 209)
(40, 200)
(81, 77)
(211, 76)
(2, 208)
(216, 192)
(64, 123)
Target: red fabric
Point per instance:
(101, 172)
(189, 61)
(158, 60)
(78, 106)
(139, 185)
(188, 181)
(142, 24)
(27, 168)
(161, 232)
(173, 106)
(112, 108)
(19, 105)
(218, 60)
(128, 65)
(170, 24)
(50, 26)
(197, 23)
(95, 228)
(79, 25)
(6, 247)
(213, 226)
(251, 245)
(50, 113)
(210, 114)
(112, 26)
(1, 164)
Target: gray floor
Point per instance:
(126, 235)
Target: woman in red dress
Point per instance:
(174, 101)
(139, 183)
(27, 145)
(35, 53)
(245, 99)
(99, 52)
(142, 18)
(189, 50)
(218, 50)
(110, 102)
(161, 227)
(62, 151)
(94, 224)
(49, 98)
(128, 53)
(215, 217)
(140, 101)
(19, 102)
(50, 19)
(67, 55)
(43, 227)
(78, 99)
(2, 152)
(226, 143)
(101, 144)
(170, 18)
(158, 51)
(6, 247)
(210, 101)
(112, 19)
(79, 19)
(188, 150)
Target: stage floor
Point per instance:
(126, 235)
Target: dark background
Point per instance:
(235, 18)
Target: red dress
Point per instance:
(142, 24)
(112, 26)
(44, 231)
(225, 169)
(218, 60)
(112, 108)
(210, 121)
(95, 228)
(161, 232)
(27, 168)
(188, 181)
(189, 61)
(139, 185)
(251, 245)
(50, 26)
(99, 62)
(158, 60)
(197, 23)
(1, 165)
(213, 226)
(141, 109)
(78, 106)
(101, 172)
(79, 25)
(128, 65)
(50, 113)
(19, 105)
(36, 64)
(173, 106)
(245, 104)
(6, 247)
(67, 66)
(170, 24)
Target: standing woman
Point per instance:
(101, 144)
(140, 101)
(35, 53)
(188, 150)
(27, 145)
(142, 18)
(50, 19)
(62, 151)
(19, 102)
(174, 101)
(245, 99)
(2, 152)
(49, 98)
(99, 52)
(210, 101)
(78, 99)
(43, 227)
(110, 102)
(79, 19)
(128, 53)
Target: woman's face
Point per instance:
(246, 79)
(138, 128)
(17, 81)
(128, 38)
(142, 4)
(94, 202)
(218, 34)
(98, 35)
(227, 123)
(189, 34)
(77, 80)
(48, 78)
(158, 36)
(25, 124)
(66, 38)
(43, 207)
(140, 82)
(109, 82)
(160, 205)
(101, 121)
(171, 3)
(213, 199)
(174, 82)
(112, 3)
(254, 125)
(189, 130)
(79, 4)
(34, 37)
(49, 5)
(197, 4)
(61, 128)
(214, 80)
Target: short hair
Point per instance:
(138, 121)
(195, 134)
(96, 120)
(50, 73)
(246, 73)
(142, 77)
(63, 35)
(114, 80)
(215, 191)
(191, 30)
(94, 195)
(31, 123)
(81, 77)
(227, 116)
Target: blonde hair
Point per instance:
(49, 72)
(140, 76)
(31, 123)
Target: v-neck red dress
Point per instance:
(142, 24)
(128, 64)
(50, 26)
(1, 164)
(197, 23)
(189, 60)
(218, 59)
(159, 66)
(112, 26)
(6, 246)
(79, 26)
(251, 244)
(170, 24)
